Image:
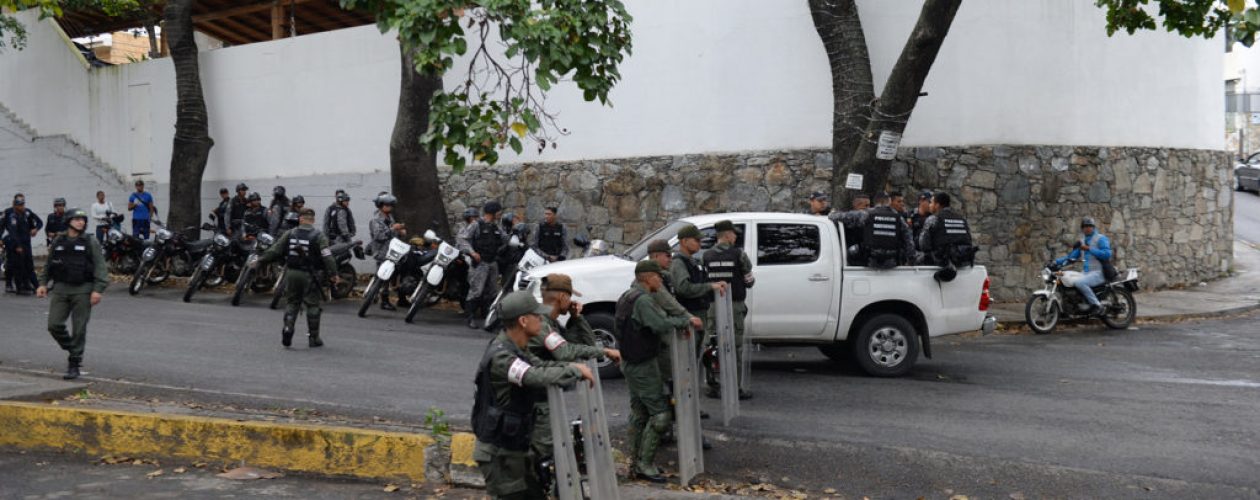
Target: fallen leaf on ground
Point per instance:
(200, 465)
(390, 488)
(249, 473)
(958, 497)
(180, 470)
(154, 474)
(830, 491)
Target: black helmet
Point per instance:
(386, 199)
(76, 213)
(241, 187)
(278, 191)
(1087, 221)
(59, 201)
(342, 196)
(508, 218)
(254, 197)
(492, 207)
(299, 199)
(470, 212)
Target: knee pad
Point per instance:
(660, 422)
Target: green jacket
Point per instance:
(100, 271)
(684, 288)
(281, 249)
(648, 314)
(557, 343)
(510, 373)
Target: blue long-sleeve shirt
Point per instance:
(1099, 249)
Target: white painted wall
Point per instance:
(705, 76)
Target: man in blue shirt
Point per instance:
(141, 205)
(1095, 249)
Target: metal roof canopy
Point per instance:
(233, 22)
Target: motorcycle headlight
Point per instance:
(1047, 276)
(163, 235)
(115, 236)
(221, 240)
(266, 239)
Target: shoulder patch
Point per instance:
(554, 341)
(325, 253)
(516, 372)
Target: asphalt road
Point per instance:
(1247, 217)
(1163, 410)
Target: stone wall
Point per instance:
(1167, 211)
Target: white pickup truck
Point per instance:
(805, 294)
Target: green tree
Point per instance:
(1190, 18)
(12, 30)
(516, 51)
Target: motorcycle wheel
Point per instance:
(277, 293)
(158, 272)
(137, 280)
(194, 283)
(1119, 309)
(369, 296)
(348, 278)
(242, 284)
(129, 264)
(420, 302)
(1040, 319)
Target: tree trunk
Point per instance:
(852, 86)
(413, 175)
(892, 111)
(192, 144)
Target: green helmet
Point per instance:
(76, 213)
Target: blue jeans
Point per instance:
(1086, 285)
(140, 228)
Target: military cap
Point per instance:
(556, 282)
(658, 246)
(517, 304)
(689, 231)
(724, 225)
(647, 266)
(819, 195)
(307, 212)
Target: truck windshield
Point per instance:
(639, 250)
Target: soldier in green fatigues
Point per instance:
(641, 324)
(691, 288)
(728, 263)
(77, 275)
(509, 381)
(575, 342)
(305, 250)
(658, 250)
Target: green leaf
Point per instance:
(515, 144)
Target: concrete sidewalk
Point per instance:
(1235, 294)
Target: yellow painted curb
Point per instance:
(314, 449)
(462, 444)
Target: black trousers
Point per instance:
(19, 265)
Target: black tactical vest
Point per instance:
(304, 250)
(290, 221)
(882, 237)
(951, 238)
(487, 241)
(638, 344)
(505, 426)
(551, 238)
(694, 275)
(726, 266)
(70, 261)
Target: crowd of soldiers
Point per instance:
(886, 235)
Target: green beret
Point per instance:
(724, 225)
(658, 246)
(517, 304)
(689, 231)
(647, 266)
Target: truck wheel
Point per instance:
(886, 346)
(604, 326)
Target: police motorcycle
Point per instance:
(1060, 299)
(401, 259)
(516, 281)
(591, 248)
(445, 278)
(257, 279)
(169, 254)
(122, 251)
(224, 260)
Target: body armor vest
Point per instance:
(882, 237)
(551, 238)
(303, 250)
(71, 261)
(695, 275)
(487, 241)
(951, 238)
(638, 344)
(505, 426)
(726, 266)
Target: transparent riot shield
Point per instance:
(687, 407)
(601, 471)
(728, 366)
(745, 363)
(568, 477)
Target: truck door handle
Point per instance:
(819, 277)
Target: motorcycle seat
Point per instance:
(199, 245)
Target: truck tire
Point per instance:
(605, 334)
(887, 345)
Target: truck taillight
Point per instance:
(984, 296)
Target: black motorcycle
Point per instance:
(170, 254)
(210, 269)
(1060, 300)
(122, 252)
(260, 278)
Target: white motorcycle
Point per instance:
(444, 278)
(516, 282)
(394, 255)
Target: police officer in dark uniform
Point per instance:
(820, 204)
(290, 220)
(921, 213)
(727, 263)
(76, 275)
(886, 241)
(484, 241)
(946, 237)
(278, 208)
(17, 227)
(853, 223)
(55, 225)
(338, 220)
(222, 212)
(237, 207)
(255, 215)
(510, 382)
(306, 252)
(551, 240)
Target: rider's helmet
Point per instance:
(1087, 221)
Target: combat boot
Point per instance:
(72, 371)
(651, 440)
(385, 305)
(474, 307)
(312, 324)
(286, 335)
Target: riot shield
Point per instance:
(601, 471)
(728, 366)
(687, 408)
(745, 363)
(568, 477)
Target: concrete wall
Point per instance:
(705, 76)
